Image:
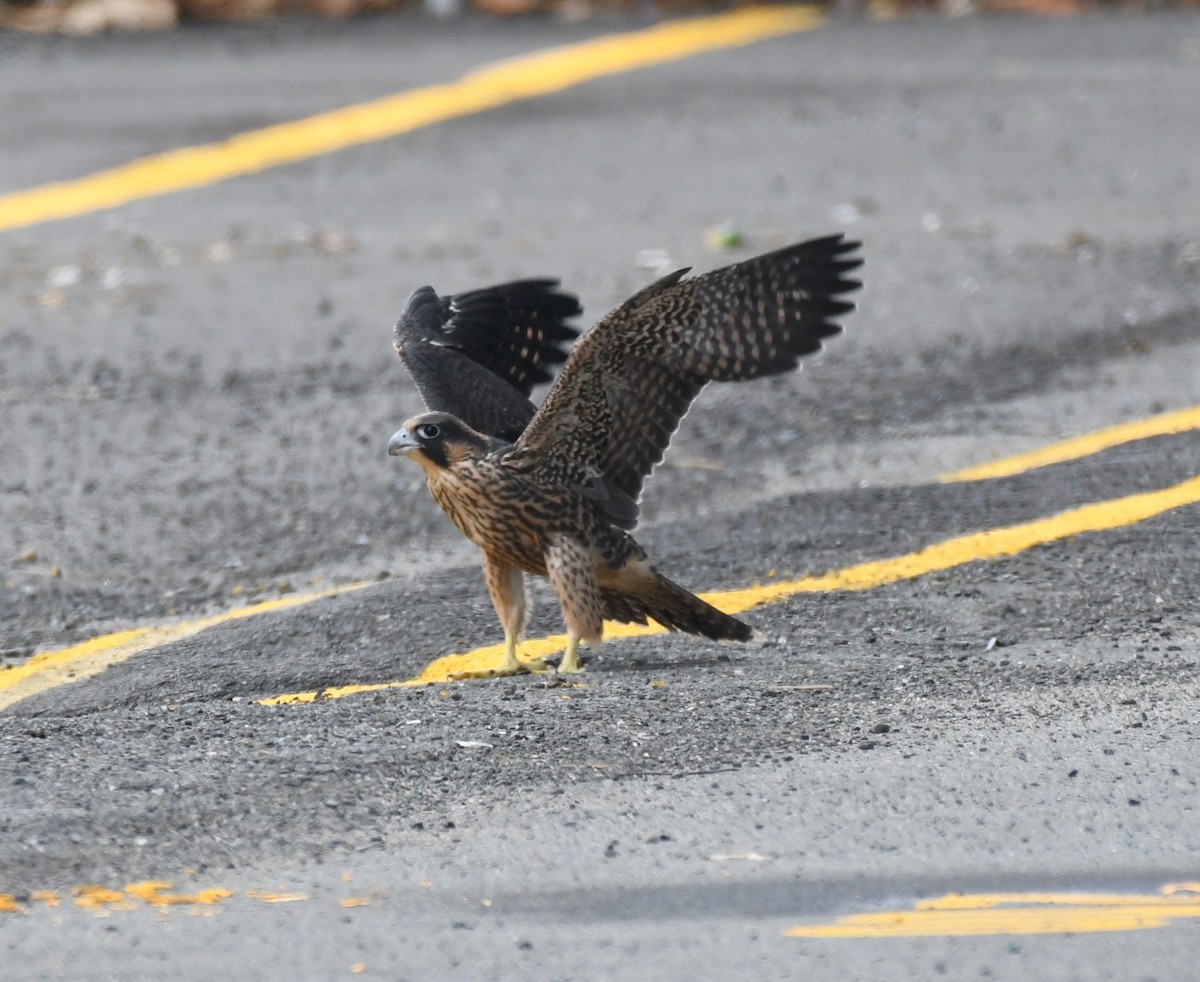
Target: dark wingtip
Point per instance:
(423, 316)
(517, 330)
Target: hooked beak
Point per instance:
(401, 443)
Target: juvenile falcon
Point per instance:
(477, 355)
(560, 500)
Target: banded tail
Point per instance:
(674, 608)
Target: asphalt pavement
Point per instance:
(197, 390)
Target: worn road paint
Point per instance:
(498, 84)
(949, 915)
(1163, 424)
(80, 661)
(987, 901)
(151, 893)
(989, 544)
(276, 897)
(1013, 913)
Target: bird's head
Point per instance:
(437, 440)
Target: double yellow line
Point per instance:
(513, 80)
(492, 86)
(958, 551)
(995, 543)
(53, 668)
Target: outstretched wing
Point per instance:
(607, 421)
(477, 355)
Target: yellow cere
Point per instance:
(960, 915)
(495, 85)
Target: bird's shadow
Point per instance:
(601, 664)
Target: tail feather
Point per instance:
(674, 608)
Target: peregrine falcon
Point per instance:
(559, 498)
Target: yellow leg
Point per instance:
(511, 665)
(570, 663)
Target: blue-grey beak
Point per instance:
(401, 443)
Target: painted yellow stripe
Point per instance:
(986, 901)
(1002, 913)
(494, 85)
(53, 668)
(1035, 913)
(1163, 424)
(151, 893)
(988, 544)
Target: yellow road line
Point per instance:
(80, 661)
(953, 914)
(986, 901)
(1163, 424)
(151, 893)
(958, 551)
(1012, 913)
(49, 669)
(493, 85)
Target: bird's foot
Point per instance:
(512, 665)
(570, 664)
(506, 669)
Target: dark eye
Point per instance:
(428, 431)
